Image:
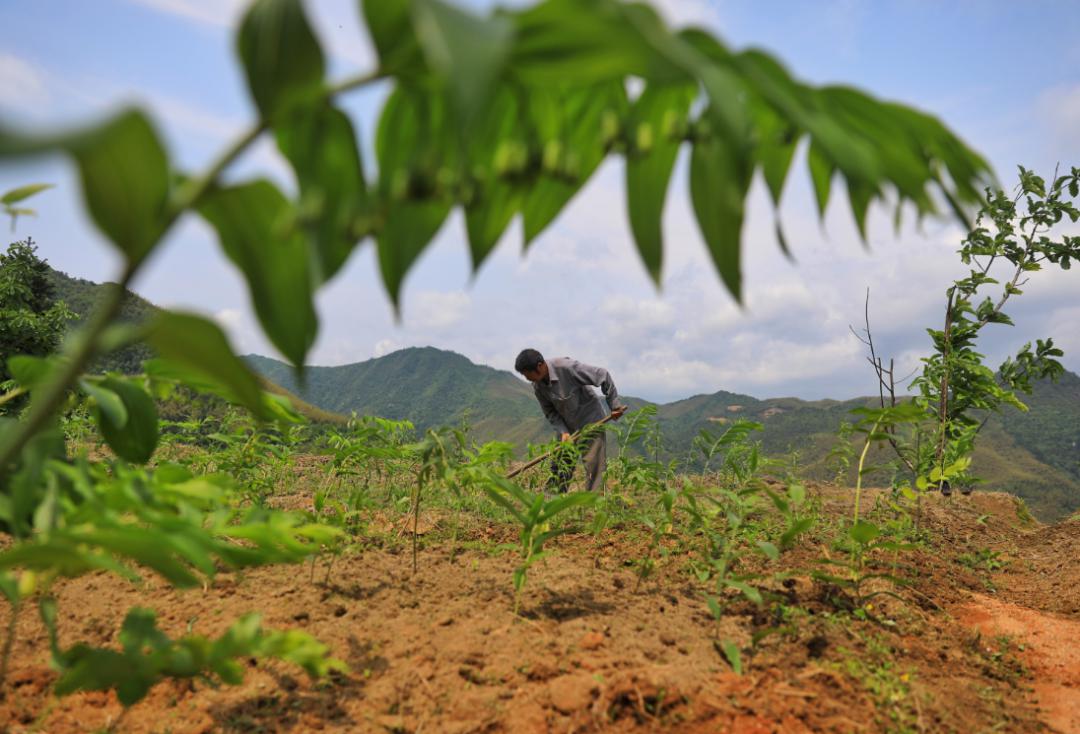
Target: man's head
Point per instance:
(531, 364)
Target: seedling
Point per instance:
(535, 513)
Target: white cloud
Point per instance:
(437, 310)
(22, 85)
(243, 334)
(643, 314)
(229, 318)
(384, 347)
(679, 13)
(214, 13)
(335, 21)
(188, 116)
(1060, 108)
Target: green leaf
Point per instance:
(860, 195)
(821, 172)
(797, 494)
(715, 67)
(796, 529)
(255, 224)
(565, 502)
(144, 546)
(575, 119)
(281, 55)
(23, 192)
(125, 179)
(770, 550)
(107, 401)
(391, 27)
(30, 371)
(498, 194)
(487, 216)
(467, 51)
(320, 143)
(656, 120)
(732, 654)
(58, 557)
(124, 172)
(414, 144)
(406, 232)
(590, 42)
(719, 180)
(136, 438)
(745, 589)
(200, 345)
(957, 467)
(9, 587)
(863, 532)
(775, 149)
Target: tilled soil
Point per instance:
(442, 651)
(1051, 651)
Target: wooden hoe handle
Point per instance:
(538, 459)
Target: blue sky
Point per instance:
(1004, 75)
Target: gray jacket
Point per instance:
(567, 402)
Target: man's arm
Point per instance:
(551, 414)
(601, 378)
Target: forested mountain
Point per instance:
(81, 296)
(1034, 454)
(427, 386)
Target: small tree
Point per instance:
(957, 391)
(32, 321)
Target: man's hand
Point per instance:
(617, 413)
(564, 437)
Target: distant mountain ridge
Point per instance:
(428, 386)
(82, 297)
(1035, 455)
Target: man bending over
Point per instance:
(560, 385)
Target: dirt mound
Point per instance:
(1044, 572)
(1048, 645)
(441, 650)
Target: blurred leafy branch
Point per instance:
(502, 115)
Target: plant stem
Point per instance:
(8, 396)
(416, 521)
(943, 398)
(862, 460)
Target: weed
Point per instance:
(888, 684)
(983, 559)
(535, 515)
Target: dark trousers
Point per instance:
(594, 456)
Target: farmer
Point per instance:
(569, 405)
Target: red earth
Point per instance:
(968, 647)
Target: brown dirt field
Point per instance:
(1051, 651)
(441, 651)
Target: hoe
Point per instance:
(540, 458)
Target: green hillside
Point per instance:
(82, 297)
(427, 386)
(1035, 455)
